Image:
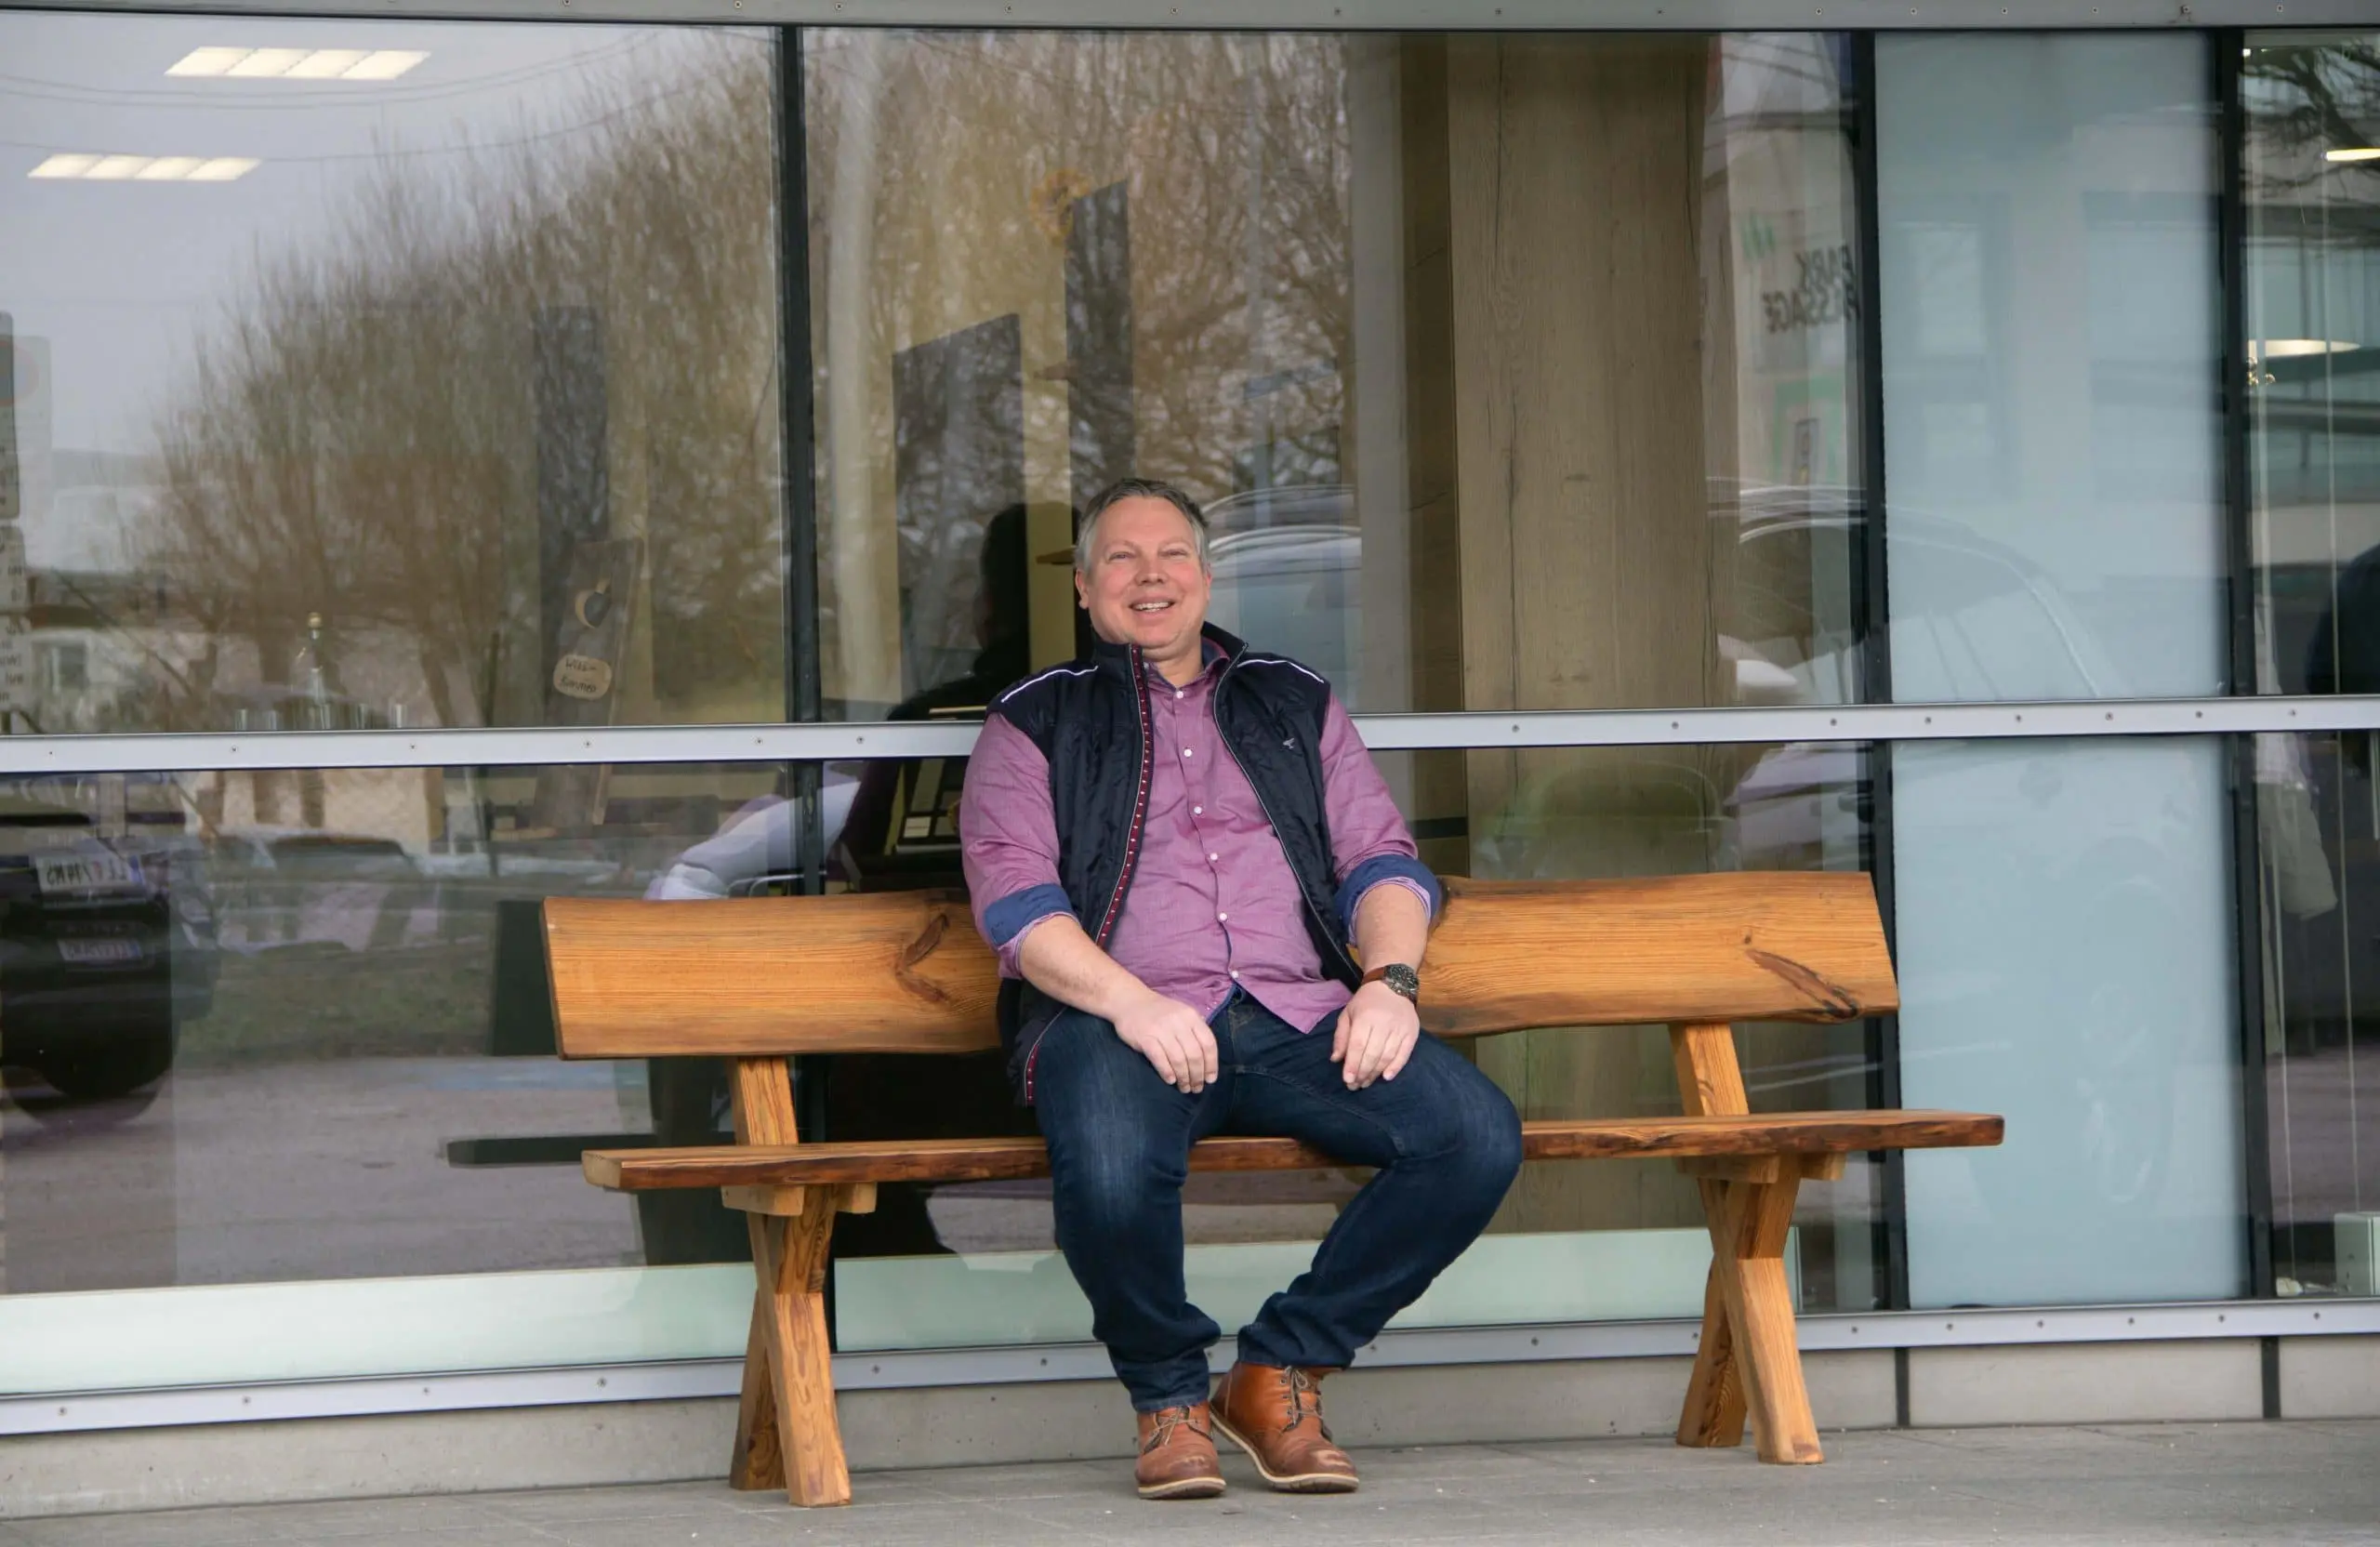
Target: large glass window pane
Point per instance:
(365, 373)
(2052, 439)
(1514, 372)
(2312, 202)
(976, 1262)
(2066, 960)
(2320, 821)
(247, 1055)
(2052, 449)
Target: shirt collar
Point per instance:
(1213, 655)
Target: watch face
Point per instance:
(1403, 979)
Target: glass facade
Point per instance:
(2311, 297)
(426, 376)
(334, 395)
(2052, 346)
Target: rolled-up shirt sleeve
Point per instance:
(1369, 842)
(1008, 836)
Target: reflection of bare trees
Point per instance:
(941, 166)
(2302, 99)
(357, 438)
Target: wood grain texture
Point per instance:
(1710, 1084)
(758, 1464)
(637, 1170)
(1747, 1243)
(905, 971)
(1713, 1418)
(790, 1257)
(1742, 946)
(898, 971)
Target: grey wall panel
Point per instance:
(2137, 1383)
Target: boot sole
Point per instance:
(1305, 1482)
(1184, 1487)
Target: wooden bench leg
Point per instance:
(1715, 1398)
(759, 1463)
(795, 1395)
(1748, 1220)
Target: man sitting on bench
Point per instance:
(1173, 845)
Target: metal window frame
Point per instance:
(1316, 15)
(72, 1412)
(802, 743)
(538, 747)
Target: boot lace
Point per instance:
(1305, 1394)
(1165, 1421)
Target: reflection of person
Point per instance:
(1174, 844)
(1003, 623)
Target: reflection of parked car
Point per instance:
(105, 944)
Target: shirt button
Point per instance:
(1177, 693)
(1198, 810)
(1186, 751)
(1214, 858)
(1235, 974)
(1222, 918)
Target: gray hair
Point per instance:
(1138, 488)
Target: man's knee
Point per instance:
(1476, 1130)
(1118, 1184)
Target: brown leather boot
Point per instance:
(1276, 1416)
(1178, 1455)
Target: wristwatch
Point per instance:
(1400, 979)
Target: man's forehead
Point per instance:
(1150, 519)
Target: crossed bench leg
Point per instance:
(786, 1435)
(1747, 1358)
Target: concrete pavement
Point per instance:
(2270, 1483)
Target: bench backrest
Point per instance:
(904, 972)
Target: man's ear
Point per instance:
(1083, 595)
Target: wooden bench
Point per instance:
(755, 980)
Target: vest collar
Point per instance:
(1123, 658)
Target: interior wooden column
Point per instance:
(1441, 787)
(1581, 556)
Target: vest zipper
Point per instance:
(1223, 736)
(1131, 840)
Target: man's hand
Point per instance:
(1174, 1038)
(1375, 1036)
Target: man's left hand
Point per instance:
(1375, 1037)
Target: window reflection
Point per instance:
(456, 407)
(1467, 442)
(242, 1049)
(2313, 312)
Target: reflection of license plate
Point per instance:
(99, 953)
(86, 872)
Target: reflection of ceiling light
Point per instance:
(386, 65)
(208, 62)
(2284, 349)
(91, 168)
(298, 65)
(326, 64)
(2358, 152)
(265, 63)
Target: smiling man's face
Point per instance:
(1146, 586)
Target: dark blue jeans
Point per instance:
(1446, 1142)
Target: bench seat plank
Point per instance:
(637, 1170)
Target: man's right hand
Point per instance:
(1174, 1038)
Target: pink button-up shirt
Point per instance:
(1213, 903)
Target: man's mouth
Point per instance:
(1151, 606)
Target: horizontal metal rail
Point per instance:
(71, 1412)
(544, 746)
(1325, 15)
